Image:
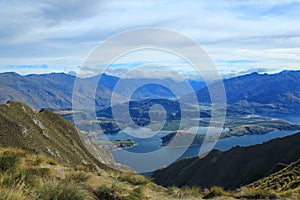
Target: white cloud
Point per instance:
(63, 33)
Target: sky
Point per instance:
(239, 36)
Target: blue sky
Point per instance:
(239, 36)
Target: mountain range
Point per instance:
(55, 90)
(259, 93)
(250, 93)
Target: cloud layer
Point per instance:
(237, 35)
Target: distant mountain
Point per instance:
(267, 92)
(233, 168)
(55, 90)
(149, 88)
(47, 133)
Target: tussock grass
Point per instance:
(62, 190)
(77, 177)
(9, 159)
(137, 194)
(192, 191)
(134, 179)
(255, 193)
(175, 192)
(114, 191)
(25, 176)
(214, 191)
(16, 192)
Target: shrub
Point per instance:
(105, 192)
(16, 192)
(26, 175)
(174, 191)
(8, 179)
(30, 174)
(136, 195)
(214, 191)
(77, 177)
(8, 161)
(252, 193)
(134, 179)
(37, 160)
(114, 191)
(191, 191)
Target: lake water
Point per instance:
(148, 155)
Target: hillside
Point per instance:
(286, 179)
(233, 168)
(49, 134)
(27, 176)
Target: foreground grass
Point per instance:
(25, 176)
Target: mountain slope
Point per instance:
(47, 133)
(286, 179)
(233, 168)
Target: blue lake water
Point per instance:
(148, 154)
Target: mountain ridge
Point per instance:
(233, 168)
(55, 90)
(49, 134)
(264, 93)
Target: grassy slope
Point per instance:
(46, 133)
(283, 180)
(27, 176)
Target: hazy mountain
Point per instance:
(55, 90)
(149, 87)
(47, 133)
(233, 168)
(45, 90)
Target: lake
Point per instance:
(148, 155)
